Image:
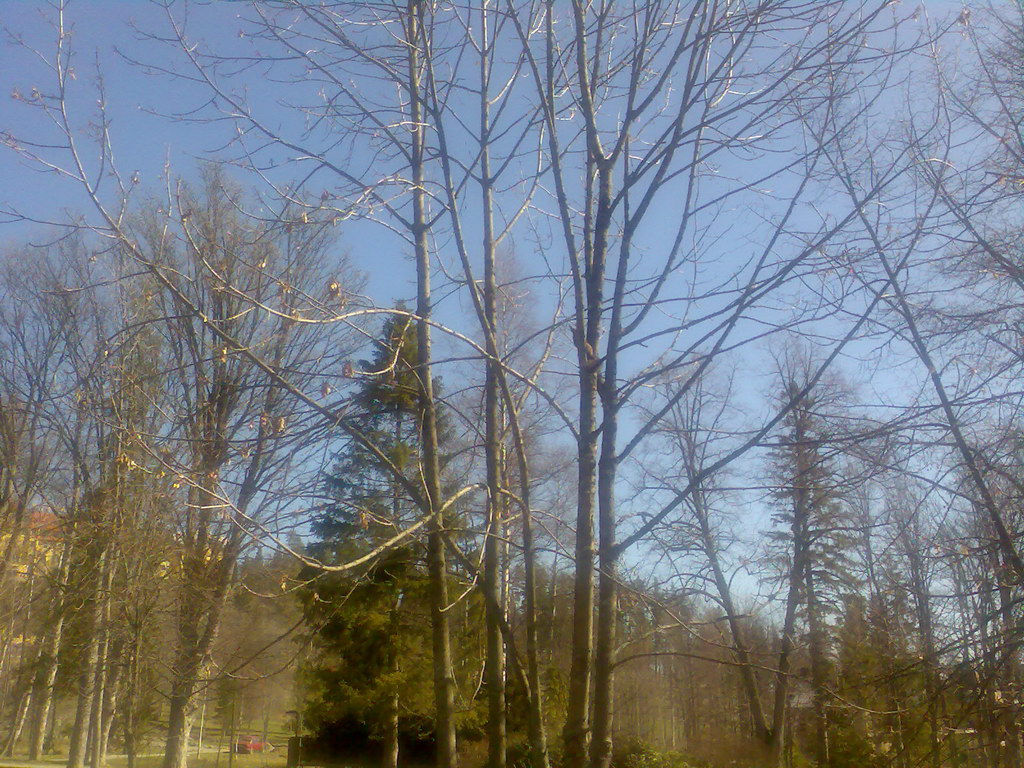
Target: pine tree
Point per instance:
(366, 500)
(370, 631)
(815, 536)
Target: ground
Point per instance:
(209, 759)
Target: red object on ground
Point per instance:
(246, 745)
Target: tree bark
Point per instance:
(494, 668)
(201, 610)
(444, 678)
(99, 691)
(1008, 677)
(128, 706)
(77, 748)
(748, 680)
(787, 639)
(192, 658)
(389, 755)
(913, 542)
(80, 730)
(20, 715)
(111, 693)
(46, 671)
(607, 471)
(816, 654)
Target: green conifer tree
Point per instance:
(370, 631)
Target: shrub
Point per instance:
(635, 753)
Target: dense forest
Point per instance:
(514, 383)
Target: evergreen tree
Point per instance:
(815, 536)
(370, 631)
(366, 500)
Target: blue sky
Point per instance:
(146, 143)
(147, 139)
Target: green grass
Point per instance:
(209, 759)
(275, 759)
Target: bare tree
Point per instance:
(666, 160)
(236, 431)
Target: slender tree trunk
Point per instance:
(389, 756)
(494, 672)
(18, 724)
(589, 289)
(495, 658)
(1008, 665)
(922, 604)
(786, 645)
(497, 383)
(51, 729)
(574, 734)
(587, 338)
(799, 567)
(608, 464)
(22, 681)
(417, 39)
(128, 706)
(47, 663)
(111, 693)
(389, 721)
(199, 622)
(607, 604)
(95, 727)
(232, 726)
(816, 653)
(80, 730)
(535, 717)
(99, 692)
(6, 677)
(77, 748)
(748, 680)
(535, 724)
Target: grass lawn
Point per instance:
(211, 759)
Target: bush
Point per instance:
(635, 753)
(518, 753)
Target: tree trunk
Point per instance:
(179, 726)
(1008, 665)
(574, 734)
(80, 730)
(444, 677)
(798, 480)
(199, 622)
(389, 721)
(786, 644)
(923, 608)
(18, 724)
(110, 696)
(232, 729)
(816, 653)
(99, 692)
(535, 724)
(77, 748)
(494, 668)
(748, 680)
(389, 757)
(607, 605)
(494, 671)
(128, 706)
(47, 663)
